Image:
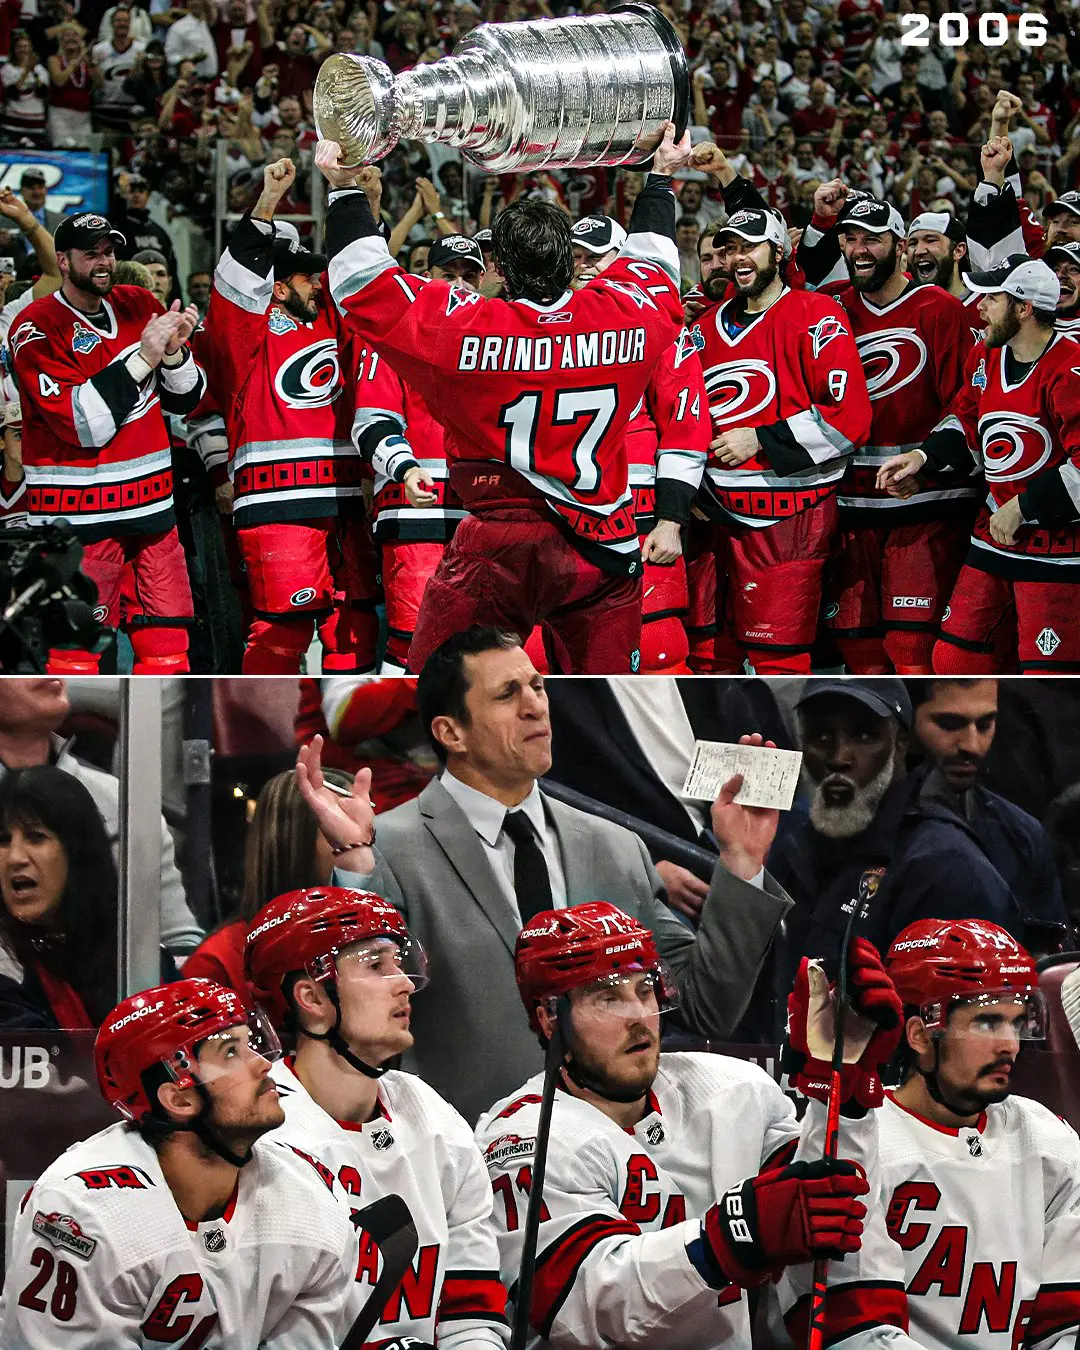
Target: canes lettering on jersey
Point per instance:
(986, 1221)
(417, 1147)
(102, 1255)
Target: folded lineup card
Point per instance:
(770, 777)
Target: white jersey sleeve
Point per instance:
(866, 1308)
(472, 1308)
(65, 1288)
(1055, 1315)
(621, 1257)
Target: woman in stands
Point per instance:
(284, 851)
(58, 895)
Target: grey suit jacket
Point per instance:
(473, 1043)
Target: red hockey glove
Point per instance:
(782, 1218)
(870, 1043)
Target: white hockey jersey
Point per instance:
(618, 1259)
(102, 1257)
(987, 1223)
(421, 1149)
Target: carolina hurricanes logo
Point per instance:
(823, 332)
(311, 377)
(891, 358)
(1013, 446)
(739, 389)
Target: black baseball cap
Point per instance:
(1068, 201)
(884, 696)
(31, 175)
(83, 231)
(291, 257)
(597, 234)
(451, 248)
(1063, 253)
(484, 239)
(870, 214)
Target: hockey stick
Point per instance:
(868, 884)
(552, 1064)
(390, 1225)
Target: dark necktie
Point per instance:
(531, 881)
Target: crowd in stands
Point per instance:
(925, 781)
(797, 95)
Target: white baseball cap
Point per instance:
(755, 226)
(1020, 276)
(12, 414)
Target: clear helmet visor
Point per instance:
(995, 1013)
(226, 1052)
(375, 958)
(627, 996)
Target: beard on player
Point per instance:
(1068, 306)
(715, 285)
(1003, 330)
(872, 278)
(533, 249)
(749, 288)
(929, 270)
(95, 278)
(307, 311)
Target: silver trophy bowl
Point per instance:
(542, 94)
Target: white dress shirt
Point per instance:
(486, 816)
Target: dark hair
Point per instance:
(443, 684)
(533, 249)
(279, 852)
(1045, 318)
(82, 944)
(922, 691)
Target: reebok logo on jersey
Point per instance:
(823, 332)
(62, 1231)
(509, 1148)
(1047, 642)
(83, 339)
(560, 316)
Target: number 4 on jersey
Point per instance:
(47, 386)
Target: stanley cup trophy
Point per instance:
(542, 94)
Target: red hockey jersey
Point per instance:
(287, 400)
(383, 401)
(794, 374)
(12, 504)
(913, 353)
(1026, 435)
(542, 390)
(95, 446)
(667, 439)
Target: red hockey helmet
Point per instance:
(564, 949)
(305, 931)
(937, 963)
(166, 1026)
